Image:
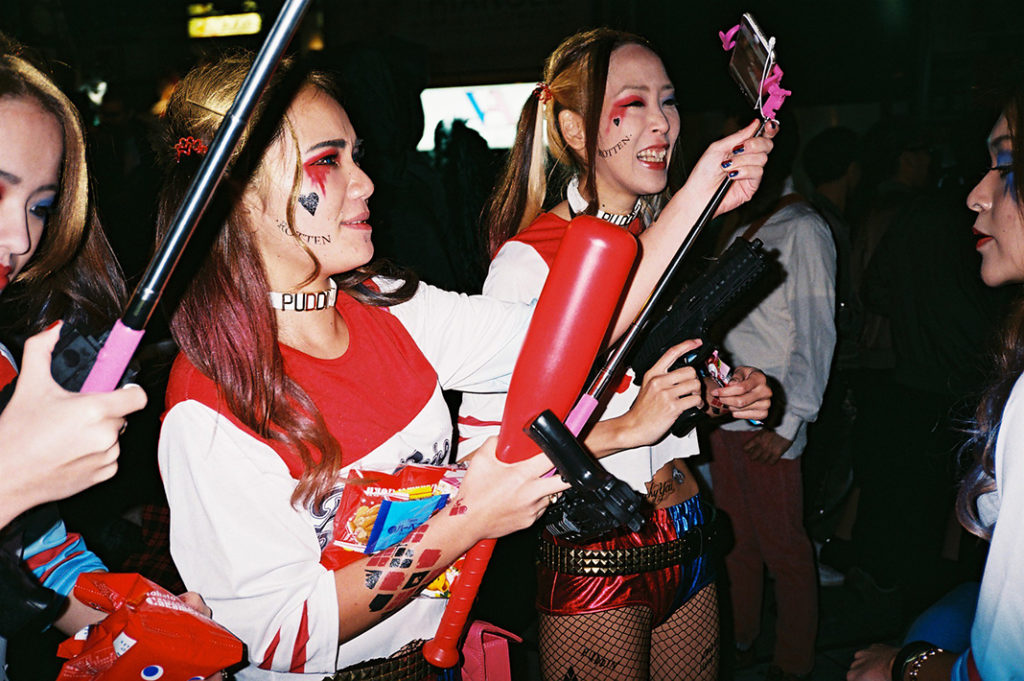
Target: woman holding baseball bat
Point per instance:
(301, 360)
(606, 114)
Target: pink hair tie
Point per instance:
(187, 145)
(543, 92)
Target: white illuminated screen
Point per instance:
(491, 110)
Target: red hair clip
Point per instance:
(543, 92)
(187, 145)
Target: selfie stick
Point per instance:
(571, 319)
(127, 332)
(587, 403)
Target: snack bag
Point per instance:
(150, 634)
(717, 369)
(379, 509)
(441, 587)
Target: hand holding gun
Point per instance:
(697, 308)
(597, 502)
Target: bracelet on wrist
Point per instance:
(908, 661)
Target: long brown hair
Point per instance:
(1009, 363)
(574, 76)
(224, 324)
(73, 274)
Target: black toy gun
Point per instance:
(697, 308)
(74, 356)
(597, 502)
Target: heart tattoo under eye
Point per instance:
(310, 201)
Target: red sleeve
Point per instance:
(545, 235)
(7, 371)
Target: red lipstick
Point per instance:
(981, 236)
(647, 157)
(358, 222)
(5, 272)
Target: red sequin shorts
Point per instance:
(662, 566)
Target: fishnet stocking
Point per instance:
(619, 645)
(613, 645)
(686, 645)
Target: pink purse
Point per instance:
(485, 653)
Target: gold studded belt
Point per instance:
(569, 560)
(406, 666)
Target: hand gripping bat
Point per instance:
(572, 316)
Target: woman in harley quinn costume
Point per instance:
(612, 124)
(991, 501)
(275, 396)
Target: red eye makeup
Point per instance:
(317, 168)
(619, 108)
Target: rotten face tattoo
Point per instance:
(639, 128)
(611, 151)
(330, 214)
(308, 238)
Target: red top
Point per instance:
(545, 234)
(356, 393)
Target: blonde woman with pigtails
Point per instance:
(605, 117)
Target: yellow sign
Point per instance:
(224, 25)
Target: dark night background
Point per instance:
(925, 56)
(848, 63)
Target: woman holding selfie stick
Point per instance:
(606, 113)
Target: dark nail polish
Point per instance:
(734, 173)
(727, 164)
(738, 150)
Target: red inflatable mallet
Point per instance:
(572, 316)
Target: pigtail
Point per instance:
(518, 196)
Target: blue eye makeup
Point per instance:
(1004, 165)
(43, 208)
